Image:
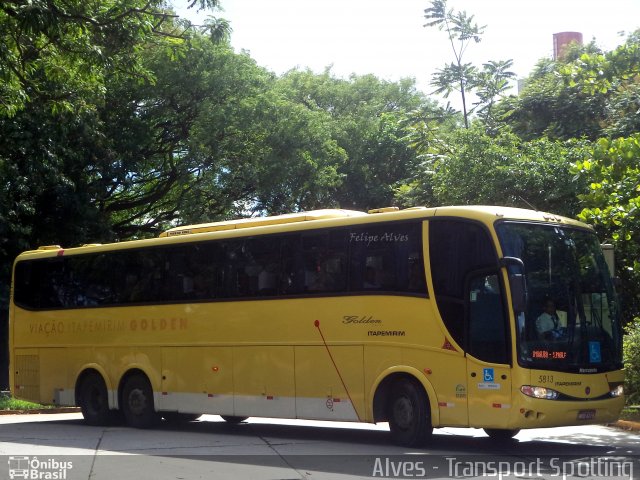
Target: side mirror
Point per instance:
(512, 262)
(517, 282)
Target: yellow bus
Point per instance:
(484, 317)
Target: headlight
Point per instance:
(617, 391)
(539, 392)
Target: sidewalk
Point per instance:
(627, 425)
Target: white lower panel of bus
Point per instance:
(257, 406)
(64, 397)
(326, 409)
(194, 402)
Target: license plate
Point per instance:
(586, 414)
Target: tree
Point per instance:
(155, 155)
(612, 204)
(488, 83)
(473, 167)
(491, 84)
(461, 31)
(589, 93)
(215, 136)
(632, 362)
(61, 53)
(366, 118)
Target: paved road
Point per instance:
(62, 447)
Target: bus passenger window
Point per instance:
(325, 262)
(371, 278)
(417, 281)
(293, 271)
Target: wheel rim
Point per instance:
(137, 401)
(403, 413)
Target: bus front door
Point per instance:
(489, 394)
(488, 368)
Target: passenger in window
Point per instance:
(317, 281)
(322, 279)
(268, 280)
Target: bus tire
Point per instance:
(501, 435)
(137, 402)
(409, 414)
(93, 400)
(177, 418)
(233, 419)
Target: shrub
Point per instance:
(631, 358)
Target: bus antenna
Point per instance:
(529, 204)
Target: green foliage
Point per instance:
(364, 116)
(461, 30)
(549, 108)
(632, 362)
(180, 155)
(62, 53)
(589, 94)
(473, 167)
(611, 171)
(10, 403)
(489, 83)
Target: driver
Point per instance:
(548, 324)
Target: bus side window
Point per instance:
(293, 273)
(263, 265)
(325, 262)
(387, 258)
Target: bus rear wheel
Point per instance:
(137, 402)
(94, 400)
(233, 419)
(501, 435)
(409, 414)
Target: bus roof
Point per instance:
(261, 221)
(309, 220)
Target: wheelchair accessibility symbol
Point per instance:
(487, 375)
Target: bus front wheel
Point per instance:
(137, 403)
(93, 400)
(409, 414)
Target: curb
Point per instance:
(41, 411)
(626, 425)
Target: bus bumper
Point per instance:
(539, 413)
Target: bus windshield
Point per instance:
(571, 322)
